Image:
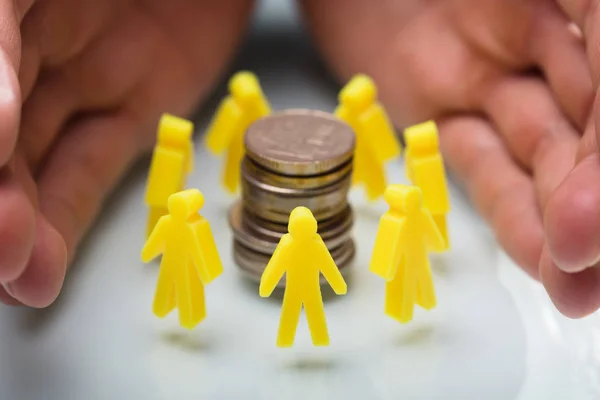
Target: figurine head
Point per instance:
(359, 93)
(245, 88)
(175, 132)
(403, 199)
(303, 224)
(422, 139)
(183, 205)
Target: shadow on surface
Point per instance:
(368, 212)
(310, 363)
(416, 336)
(187, 341)
(440, 265)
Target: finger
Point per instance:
(56, 31)
(84, 166)
(111, 66)
(586, 13)
(23, 175)
(534, 130)
(10, 100)
(40, 283)
(577, 9)
(17, 227)
(395, 44)
(43, 116)
(22, 7)
(60, 29)
(98, 78)
(30, 55)
(572, 218)
(575, 295)
(30, 68)
(10, 35)
(501, 191)
(588, 143)
(7, 298)
(561, 55)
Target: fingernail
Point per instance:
(8, 289)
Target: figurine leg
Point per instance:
(425, 289)
(164, 297)
(190, 298)
(409, 289)
(290, 314)
(153, 216)
(394, 295)
(198, 300)
(231, 175)
(315, 314)
(400, 294)
(440, 221)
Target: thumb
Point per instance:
(12, 13)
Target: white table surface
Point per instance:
(494, 335)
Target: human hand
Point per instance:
(571, 258)
(509, 84)
(83, 85)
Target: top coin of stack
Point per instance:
(293, 158)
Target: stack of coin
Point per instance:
(293, 158)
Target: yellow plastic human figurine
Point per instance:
(302, 255)
(400, 254)
(245, 104)
(190, 258)
(172, 161)
(425, 168)
(376, 142)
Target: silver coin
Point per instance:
(246, 236)
(276, 214)
(297, 183)
(330, 229)
(253, 264)
(343, 182)
(300, 142)
(276, 204)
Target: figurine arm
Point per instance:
(167, 171)
(378, 128)
(275, 268)
(433, 236)
(429, 175)
(155, 243)
(189, 166)
(329, 270)
(208, 248)
(195, 250)
(388, 247)
(342, 113)
(228, 120)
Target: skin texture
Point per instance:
(83, 82)
(511, 83)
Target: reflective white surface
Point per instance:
(494, 334)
